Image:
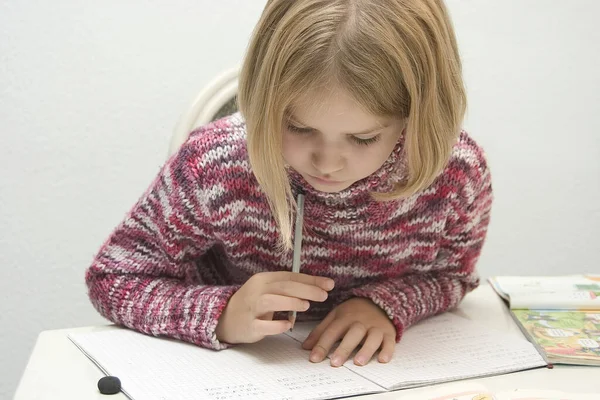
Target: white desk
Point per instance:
(58, 370)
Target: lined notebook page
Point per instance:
(301, 330)
(160, 369)
(448, 347)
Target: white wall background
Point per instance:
(90, 92)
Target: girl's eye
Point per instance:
(366, 142)
(303, 131)
(295, 129)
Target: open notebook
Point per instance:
(439, 349)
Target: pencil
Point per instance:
(297, 247)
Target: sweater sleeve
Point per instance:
(144, 276)
(416, 295)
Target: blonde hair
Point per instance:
(395, 57)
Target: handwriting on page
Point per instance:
(241, 391)
(446, 348)
(314, 381)
(319, 385)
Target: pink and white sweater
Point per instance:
(204, 227)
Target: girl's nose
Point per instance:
(327, 161)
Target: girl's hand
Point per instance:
(248, 316)
(358, 321)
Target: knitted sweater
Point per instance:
(204, 227)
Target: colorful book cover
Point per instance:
(567, 337)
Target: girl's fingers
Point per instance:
(330, 335)
(387, 349)
(369, 347)
(283, 276)
(316, 333)
(296, 289)
(267, 303)
(267, 328)
(351, 340)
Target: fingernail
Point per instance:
(315, 356)
(306, 305)
(384, 358)
(336, 361)
(360, 360)
(330, 284)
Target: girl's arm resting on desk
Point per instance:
(144, 276)
(409, 298)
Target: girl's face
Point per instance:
(332, 142)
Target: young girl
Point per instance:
(358, 105)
